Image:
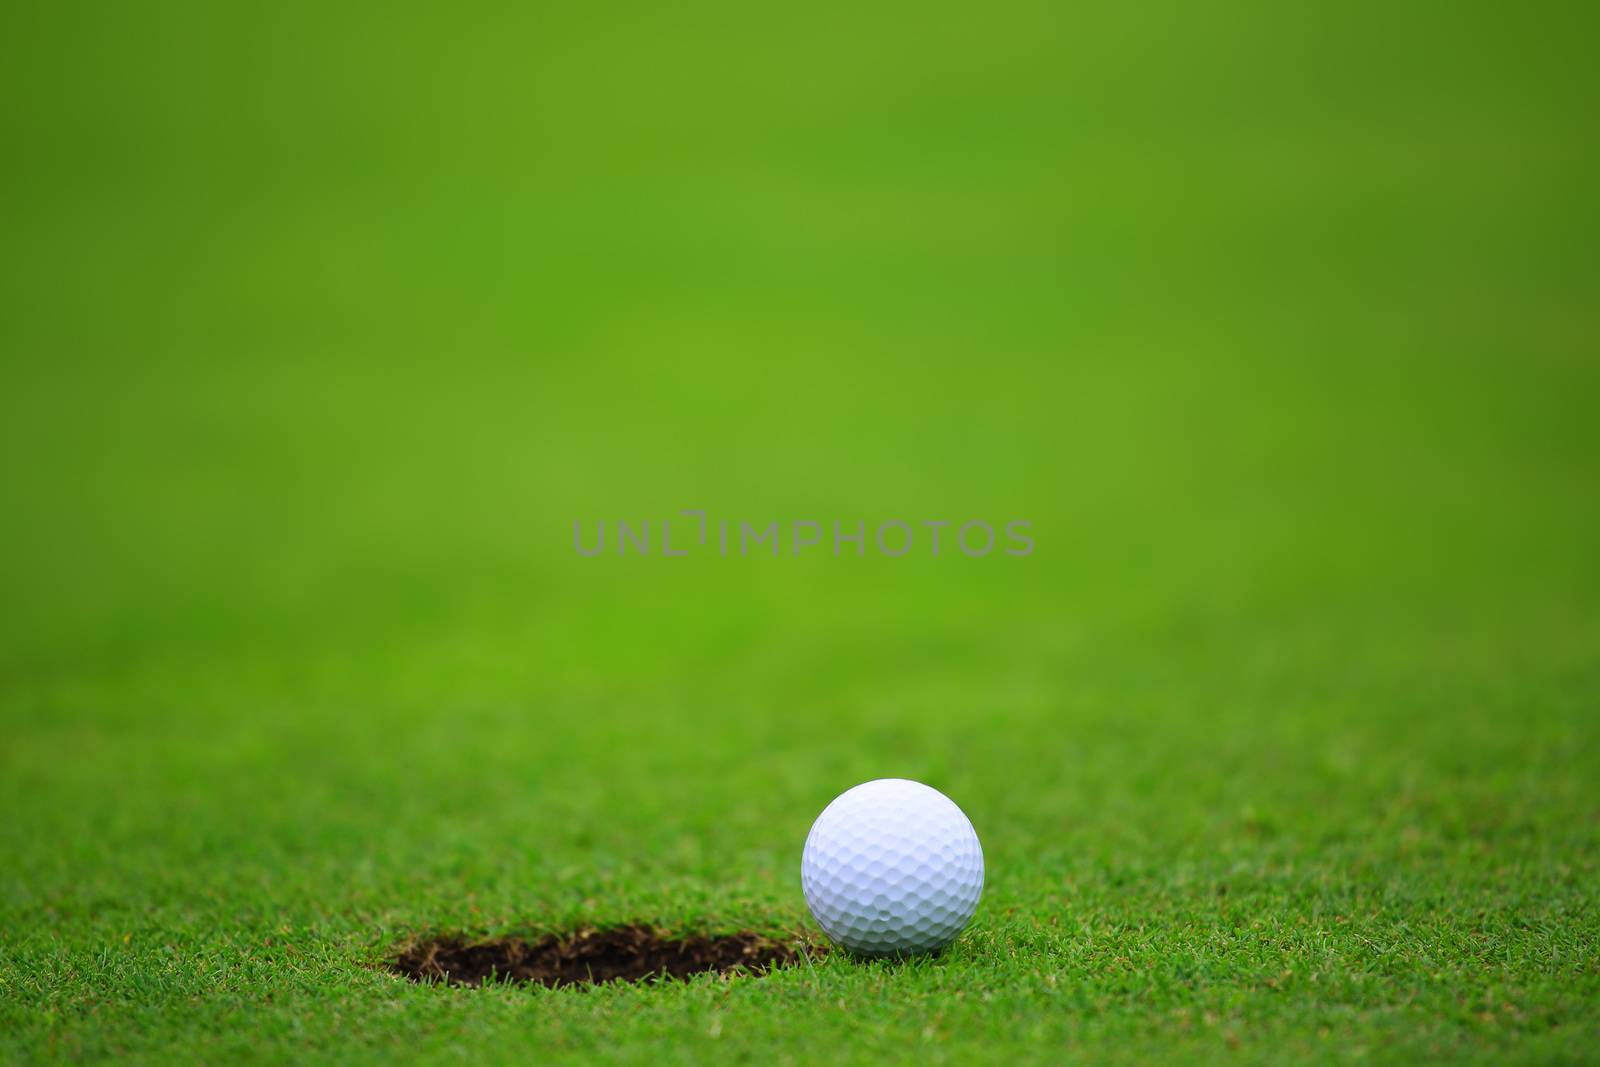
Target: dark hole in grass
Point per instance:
(584, 957)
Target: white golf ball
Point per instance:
(892, 868)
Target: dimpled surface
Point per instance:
(891, 868)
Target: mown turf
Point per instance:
(321, 330)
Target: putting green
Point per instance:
(322, 329)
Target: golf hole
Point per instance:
(633, 953)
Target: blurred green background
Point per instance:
(320, 327)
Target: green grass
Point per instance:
(318, 331)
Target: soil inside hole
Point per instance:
(584, 957)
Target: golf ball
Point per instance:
(892, 868)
